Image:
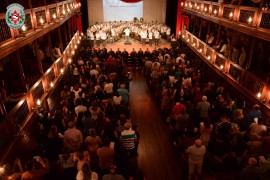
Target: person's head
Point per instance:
(92, 132)
(204, 98)
(80, 155)
(256, 107)
(252, 161)
(106, 142)
(224, 118)
(113, 169)
(127, 126)
(86, 169)
(71, 124)
(198, 143)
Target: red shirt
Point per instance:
(178, 107)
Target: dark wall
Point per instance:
(171, 14)
(84, 15)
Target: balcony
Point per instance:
(250, 20)
(256, 89)
(38, 21)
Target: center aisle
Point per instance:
(156, 154)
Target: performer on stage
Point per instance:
(127, 33)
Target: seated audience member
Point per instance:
(33, 171)
(86, 173)
(72, 137)
(195, 161)
(113, 174)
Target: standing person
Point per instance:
(195, 160)
(203, 107)
(206, 128)
(128, 138)
(124, 93)
(86, 173)
(73, 137)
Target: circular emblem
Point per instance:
(15, 16)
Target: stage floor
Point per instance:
(136, 45)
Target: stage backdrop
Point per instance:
(153, 10)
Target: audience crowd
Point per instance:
(90, 135)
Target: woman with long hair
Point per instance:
(86, 173)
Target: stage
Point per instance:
(136, 45)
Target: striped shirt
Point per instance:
(128, 138)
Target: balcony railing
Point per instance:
(254, 87)
(251, 18)
(20, 116)
(37, 18)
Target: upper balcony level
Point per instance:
(249, 20)
(40, 18)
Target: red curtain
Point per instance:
(131, 1)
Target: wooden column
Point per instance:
(200, 29)
(60, 38)
(69, 27)
(20, 67)
(50, 45)
(218, 35)
(250, 54)
(38, 58)
(3, 110)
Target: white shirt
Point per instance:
(94, 72)
(196, 154)
(80, 108)
(117, 100)
(127, 32)
(79, 176)
(108, 87)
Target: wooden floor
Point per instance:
(157, 156)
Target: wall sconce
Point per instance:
(79, 4)
(73, 52)
(187, 40)
(200, 50)
(231, 15)
(249, 20)
(81, 33)
(23, 28)
(198, 7)
(183, 36)
(69, 60)
(75, 46)
(54, 16)
(185, 4)
(64, 12)
(182, 4)
(259, 95)
(80, 37)
(78, 42)
(62, 71)
(205, 9)
(215, 12)
(41, 20)
(208, 57)
(37, 105)
(51, 85)
(221, 67)
(193, 44)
